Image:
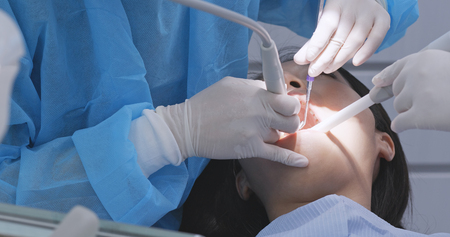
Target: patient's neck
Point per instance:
(359, 192)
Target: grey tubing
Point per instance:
(231, 16)
(272, 70)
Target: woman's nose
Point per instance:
(293, 82)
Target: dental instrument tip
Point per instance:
(309, 81)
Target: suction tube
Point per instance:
(376, 95)
(346, 113)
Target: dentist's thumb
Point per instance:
(389, 74)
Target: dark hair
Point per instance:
(214, 208)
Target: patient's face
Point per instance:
(341, 161)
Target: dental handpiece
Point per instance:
(272, 70)
(309, 81)
(376, 95)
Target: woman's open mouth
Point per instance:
(311, 119)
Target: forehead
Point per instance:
(301, 71)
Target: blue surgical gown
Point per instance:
(334, 215)
(92, 66)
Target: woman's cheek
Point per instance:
(355, 137)
(311, 144)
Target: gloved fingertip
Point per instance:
(394, 129)
(313, 72)
(397, 129)
(297, 160)
(300, 59)
(359, 59)
(376, 80)
(356, 63)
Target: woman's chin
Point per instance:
(303, 141)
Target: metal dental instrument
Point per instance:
(309, 81)
(272, 71)
(376, 95)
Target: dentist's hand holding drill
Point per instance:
(234, 119)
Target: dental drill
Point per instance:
(376, 95)
(271, 65)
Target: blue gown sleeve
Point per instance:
(403, 14)
(301, 17)
(80, 85)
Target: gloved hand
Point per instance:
(341, 34)
(421, 86)
(12, 49)
(441, 43)
(233, 119)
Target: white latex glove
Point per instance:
(442, 43)
(421, 87)
(234, 119)
(79, 222)
(341, 34)
(11, 50)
